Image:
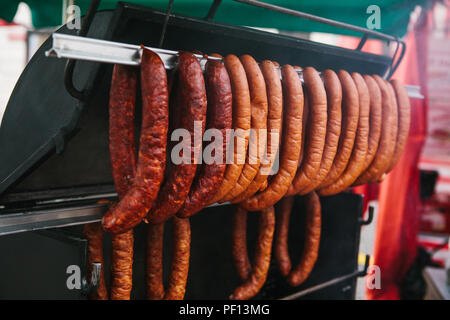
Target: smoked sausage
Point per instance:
(241, 114)
(356, 163)
(219, 117)
(258, 134)
(261, 263)
(134, 206)
(274, 121)
(290, 144)
(334, 100)
(191, 100)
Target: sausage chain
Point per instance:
(346, 130)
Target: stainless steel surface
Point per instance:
(82, 48)
(51, 218)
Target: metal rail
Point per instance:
(355, 274)
(89, 49)
(311, 17)
(57, 213)
(50, 218)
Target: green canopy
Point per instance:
(394, 13)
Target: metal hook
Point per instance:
(363, 272)
(166, 21)
(213, 9)
(400, 58)
(89, 287)
(70, 65)
(369, 217)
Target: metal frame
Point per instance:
(89, 49)
(395, 61)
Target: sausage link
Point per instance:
(316, 128)
(356, 163)
(312, 241)
(241, 124)
(261, 263)
(334, 108)
(375, 119)
(133, 207)
(404, 121)
(239, 243)
(122, 148)
(388, 137)
(219, 117)
(94, 234)
(191, 93)
(123, 162)
(258, 135)
(290, 146)
(122, 266)
(154, 265)
(281, 252)
(180, 259)
(274, 120)
(350, 118)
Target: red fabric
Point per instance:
(398, 213)
(6, 23)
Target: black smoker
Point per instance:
(55, 167)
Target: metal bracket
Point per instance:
(70, 65)
(369, 217)
(89, 287)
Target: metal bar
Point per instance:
(44, 219)
(69, 214)
(358, 273)
(166, 21)
(82, 48)
(213, 9)
(366, 32)
(321, 286)
(311, 17)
